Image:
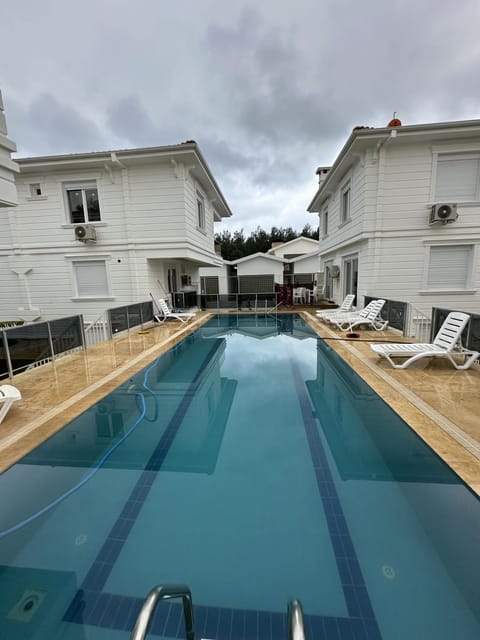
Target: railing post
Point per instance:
(7, 354)
(50, 341)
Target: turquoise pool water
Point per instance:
(252, 464)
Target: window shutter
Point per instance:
(91, 278)
(449, 267)
(457, 178)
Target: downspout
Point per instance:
(379, 157)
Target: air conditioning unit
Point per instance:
(335, 271)
(443, 213)
(85, 233)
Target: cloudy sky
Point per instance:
(269, 89)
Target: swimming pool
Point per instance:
(251, 463)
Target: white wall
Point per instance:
(299, 245)
(390, 205)
(260, 265)
(148, 223)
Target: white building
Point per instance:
(383, 229)
(8, 168)
(293, 262)
(99, 230)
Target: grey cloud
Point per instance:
(47, 126)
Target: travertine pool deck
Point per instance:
(438, 402)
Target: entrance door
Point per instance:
(351, 276)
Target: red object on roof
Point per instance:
(395, 122)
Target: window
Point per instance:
(345, 204)
(91, 279)
(82, 203)
(35, 190)
(200, 212)
(449, 267)
(458, 177)
(325, 222)
(350, 270)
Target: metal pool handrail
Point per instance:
(164, 592)
(296, 628)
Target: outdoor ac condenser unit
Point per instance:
(85, 233)
(443, 213)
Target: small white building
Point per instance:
(399, 215)
(293, 262)
(103, 229)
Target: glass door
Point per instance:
(350, 270)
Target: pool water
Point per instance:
(251, 463)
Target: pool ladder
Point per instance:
(296, 629)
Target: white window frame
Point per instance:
(77, 260)
(467, 289)
(345, 211)
(201, 220)
(80, 185)
(31, 184)
(454, 153)
(325, 221)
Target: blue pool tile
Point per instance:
(279, 625)
(317, 630)
(110, 551)
(364, 603)
(146, 479)
(238, 625)
(264, 625)
(225, 624)
(97, 576)
(131, 509)
(341, 523)
(140, 492)
(331, 628)
(110, 612)
(95, 615)
(371, 629)
(344, 571)
(359, 631)
(122, 528)
(348, 547)
(345, 629)
(251, 625)
(355, 572)
(211, 627)
(337, 545)
(136, 605)
(159, 619)
(173, 622)
(353, 606)
(123, 613)
(200, 621)
(74, 613)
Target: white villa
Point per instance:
(103, 229)
(399, 215)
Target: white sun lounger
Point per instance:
(165, 312)
(8, 395)
(447, 344)
(369, 316)
(345, 307)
